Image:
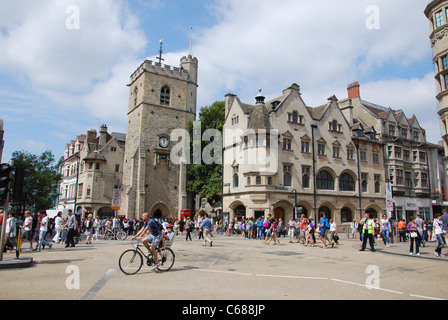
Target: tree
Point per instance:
(206, 180)
(41, 179)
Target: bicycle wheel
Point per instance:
(166, 259)
(130, 262)
(108, 235)
(121, 235)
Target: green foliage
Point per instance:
(206, 180)
(41, 180)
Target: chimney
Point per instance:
(353, 90)
(91, 136)
(103, 135)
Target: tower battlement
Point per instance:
(157, 68)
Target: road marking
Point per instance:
(423, 297)
(99, 285)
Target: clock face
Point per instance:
(163, 142)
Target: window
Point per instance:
(389, 152)
(287, 177)
(336, 152)
(165, 96)
(408, 179)
(305, 147)
(97, 166)
(346, 215)
(235, 177)
(439, 19)
(392, 130)
(416, 135)
(376, 158)
(324, 181)
(364, 182)
(117, 168)
(269, 181)
(306, 177)
(235, 120)
(350, 154)
(258, 181)
(287, 144)
(399, 176)
(424, 178)
(445, 62)
(417, 179)
(404, 133)
(346, 183)
(406, 155)
(422, 157)
(295, 117)
(363, 155)
(248, 181)
(398, 152)
(135, 96)
(321, 149)
(377, 184)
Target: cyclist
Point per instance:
(153, 239)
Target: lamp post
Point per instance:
(295, 204)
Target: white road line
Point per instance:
(99, 285)
(423, 297)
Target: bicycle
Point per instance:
(115, 234)
(131, 261)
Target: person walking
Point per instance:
(323, 228)
(368, 232)
(27, 228)
(207, 227)
(188, 228)
(332, 233)
(89, 229)
(414, 237)
(58, 227)
(402, 231)
(385, 230)
(354, 228)
(43, 222)
(438, 232)
(292, 225)
(71, 229)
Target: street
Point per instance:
(233, 269)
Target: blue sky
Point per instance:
(58, 82)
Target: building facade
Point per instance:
(406, 154)
(92, 167)
(320, 160)
(162, 101)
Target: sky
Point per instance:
(65, 64)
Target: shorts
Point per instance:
(28, 235)
(323, 232)
(154, 241)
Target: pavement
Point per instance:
(233, 269)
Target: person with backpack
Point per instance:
(152, 241)
(323, 228)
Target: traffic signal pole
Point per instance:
(5, 185)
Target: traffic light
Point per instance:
(5, 179)
(18, 185)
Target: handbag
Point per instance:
(414, 234)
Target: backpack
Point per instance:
(327, 224)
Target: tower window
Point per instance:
(165, 96)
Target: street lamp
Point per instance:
(295, 203)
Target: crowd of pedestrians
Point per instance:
(43, 232)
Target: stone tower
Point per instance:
(162, 99)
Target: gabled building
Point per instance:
(315, 160)
(406, 153)
(93, 166)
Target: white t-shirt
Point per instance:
(385, 224)
(28, 224)
(58, 222)
(333, 226)
(44, 227)
(438, 226)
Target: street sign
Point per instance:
(116, 199)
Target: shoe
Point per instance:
(418, 254)
(437, 255)
(211, 243)
(373, 250)
(155, 266)
(410, 253)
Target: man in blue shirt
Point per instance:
(207, 227)
(152, 240)
(323, 227)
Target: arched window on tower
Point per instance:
(165, 96)
(135, 96)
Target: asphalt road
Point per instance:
(233, 269)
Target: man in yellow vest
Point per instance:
(368, 232)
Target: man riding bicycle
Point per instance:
(152, 241)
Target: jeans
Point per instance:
(385, 235)
(42, 240)
(417, 245)
(440, 242)
(260, 233)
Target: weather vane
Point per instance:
(161, 52)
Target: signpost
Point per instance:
(116, 200)
(389, 199)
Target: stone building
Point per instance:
(162, 100)
(321, 160)
(92, 167)
(406, 153)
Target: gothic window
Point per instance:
(135, 96)
(165, 96)
(287, 176)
